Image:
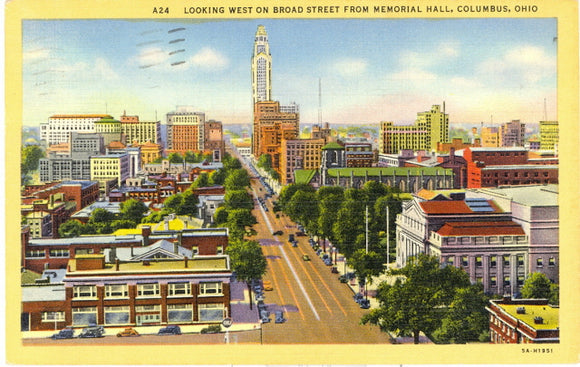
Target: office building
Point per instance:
(261, 67)
(140, 132)
(549, 135)
(512, 134)
(185, 130)
(299, 154)
(58, 128)
(430, 128)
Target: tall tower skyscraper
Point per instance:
(261, 67)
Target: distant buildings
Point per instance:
(511, 134)
(270, 127)
(110, 167)
(299, 154)
(430, 128)
(492, 167)
(58, 128)
(185, 130)
(140, 132)
(523, 321)
(490, 137)
(549, 135)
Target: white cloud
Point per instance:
(208, 58)
(33, 55)
(523, 66)
(103, 68)
(350, 67)
(151, 56)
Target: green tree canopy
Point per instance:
(175, 158)
(217, 177)
(237, 179)
(265, 161)
(133, 210)
(466, 319)
(537, 285)
(366, 265)
(240, 222)
(188, 204)
(201, 181)
(70, 228)
(31, 155)
(101, 215)
(238, 199)
(417, 301)
(247, 261)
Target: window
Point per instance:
(35, 253)
(464, 261)
(180, 313)
(212, 312)
(493, 261)
(116, 291)
(220, 250)
(520, 260)
(117, 315)
(478, 261)
(506, 280)
(179, 289)
(493, 281)
(506, 260)
(212, 289)
(450, 260)
(52, 316)
(552, 261)
(85, 291)
(59, 253)
(195, 250)
(521, 280)
(539, 262)
(148, 290)
(84, 316)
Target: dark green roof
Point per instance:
(389, 171)
(332, 145)
(107, 120)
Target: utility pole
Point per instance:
(367, 229)
(388, 240)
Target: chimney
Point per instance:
(116, 264)
(131, 250)
(186, 260)
(145, 232)
(175, 247)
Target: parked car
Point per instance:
(365, 303)
(334, 270)
(128, 332)
(267, 285)
(294, 243)
(170, 330)
(327, 261)
(290, 237)
(92, 332)
(305, 257)
(278, 233)
(343, 279)
(64, 334)
(279, 319)
(264, 316)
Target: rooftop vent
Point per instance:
(538, 320)
(521, 310)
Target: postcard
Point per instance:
(307, 182)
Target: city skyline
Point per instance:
(371, 70)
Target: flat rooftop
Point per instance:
(549, 314)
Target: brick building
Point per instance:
(492, 167)
(82, 193)
(140, 293)
(523, 321)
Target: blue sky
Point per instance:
(371, 70)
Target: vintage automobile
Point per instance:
(264, 316)
(305, 257)
(170, 330)
(128, 332)
(278, 233)
(279, 319)
(64, 334)
(93, 331)
(267, 285)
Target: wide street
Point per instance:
(318, 308)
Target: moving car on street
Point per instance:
(170, 330)
(128, 332)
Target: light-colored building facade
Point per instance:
(490, 137)
(110, 130)
(261, 67)
(549, 135)
(140, 132)
(58, 128)
(430, 128)
(109, 167)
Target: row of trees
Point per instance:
(188, 157)
(265, 162)
(341, 215)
